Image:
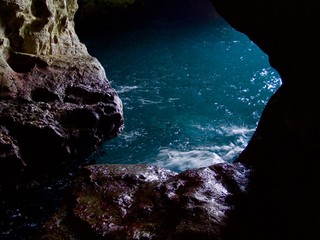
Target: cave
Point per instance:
(270, 191)
(193, 88)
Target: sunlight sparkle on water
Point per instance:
(192, 93)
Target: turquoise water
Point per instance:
(192, 92)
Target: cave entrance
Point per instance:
(193, 88)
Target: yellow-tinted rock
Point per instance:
(40, 27)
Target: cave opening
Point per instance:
(193, 88)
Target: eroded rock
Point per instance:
(147, 202)
(56, 102)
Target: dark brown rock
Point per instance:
(56, 108)
(50, 127)
(147, 202)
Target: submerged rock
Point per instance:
(56, 104)
(147, 202)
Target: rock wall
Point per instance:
(283, 200)
(56, 104)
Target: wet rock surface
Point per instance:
(56, 102)
(147, 202)
(56, 108)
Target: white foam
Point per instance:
(207, 155)
(123, 89)
(227, 152)
(132, 135)
(147, 102)
(236, 130)
(182, 160)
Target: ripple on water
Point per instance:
(192, 93)
(202, 156)
(125, 89)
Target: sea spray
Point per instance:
(192, 92)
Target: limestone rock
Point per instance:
(56, 104)
(147, 202)
(40, 27)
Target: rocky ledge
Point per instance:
(56, 103)
(145, 202)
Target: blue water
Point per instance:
(192, 92)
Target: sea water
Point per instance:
(192, 92)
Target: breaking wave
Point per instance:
(203, 156)
(192, 94)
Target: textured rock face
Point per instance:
(283, 202)
(146, 202)
(38, 27)
(56, 103)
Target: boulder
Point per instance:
(147, 202)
